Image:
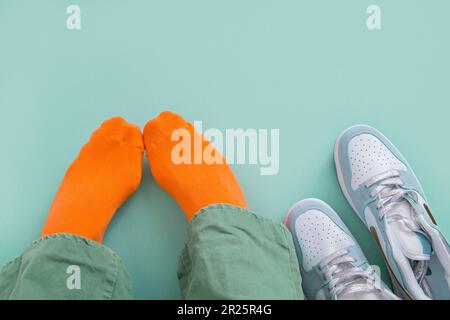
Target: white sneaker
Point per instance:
(332, 264)
(385, 193)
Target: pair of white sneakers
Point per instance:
(383, 190)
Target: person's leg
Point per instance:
(231, 253)
(169, 140)
(106, 172)
(69, 262)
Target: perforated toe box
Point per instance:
(319, 237)
(369, 157)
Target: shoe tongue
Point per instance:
(412, 240)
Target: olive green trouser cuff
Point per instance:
(230, 253)
(65, 266)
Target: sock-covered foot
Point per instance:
(106, 172)
(193, 185)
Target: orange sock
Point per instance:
(105, 173)
(193, 186)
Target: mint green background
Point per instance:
(310, 68)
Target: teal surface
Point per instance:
(309, 68)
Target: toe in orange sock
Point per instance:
(193, 185)
(106, 172)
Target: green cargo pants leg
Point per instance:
(65, 266)
(232, 253)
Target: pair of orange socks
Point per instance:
(108, 171)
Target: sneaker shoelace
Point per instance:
(344, 278)
(390, 192)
